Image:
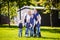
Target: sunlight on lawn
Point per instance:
(12, 34)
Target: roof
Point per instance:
(36, 7)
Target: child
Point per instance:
(32, 25)
(20, 29)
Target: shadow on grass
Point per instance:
(11, 26)
(51, 30)
(45, 38)
(50, 38)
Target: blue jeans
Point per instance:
(38, 29)
(32, 31)
(20, 32)
(27, 31)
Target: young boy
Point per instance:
(20, 28)
(32, 25)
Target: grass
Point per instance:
(48, 33)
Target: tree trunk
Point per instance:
(8, 13)
(51, 19)
(20, 10)
(0, 9)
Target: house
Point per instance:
(47, 19)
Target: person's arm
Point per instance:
(39, 19)
(30, 25)
(34, 22)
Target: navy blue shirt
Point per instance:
(35, 16)
(20, 25)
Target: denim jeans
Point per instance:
(32, 31)
(27, 31)
(37, 30)
(20, 32)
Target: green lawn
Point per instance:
(48, 33)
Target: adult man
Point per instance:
(38, 23)
(36, 19)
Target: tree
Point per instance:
(48, 4)
(9, 7)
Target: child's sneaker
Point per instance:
(26, 35)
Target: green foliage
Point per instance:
(58, 6)
(50, 3)
(4, 11)
(13, 6)
(13, 9)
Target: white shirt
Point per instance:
(39, 18)
(28, 18)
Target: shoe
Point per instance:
(39, 34)
(31, 35)
(34, 35)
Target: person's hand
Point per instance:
(33, 26)
(36, 22)
(24, 24)
(30, 25)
